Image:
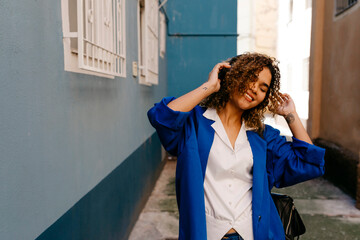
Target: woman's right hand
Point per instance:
(213, 79)
(187, 102)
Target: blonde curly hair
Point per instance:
(244, 70)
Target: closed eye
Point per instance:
(264, 87)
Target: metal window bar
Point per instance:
(343, 5)
(100, 36)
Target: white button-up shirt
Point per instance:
(228, 183)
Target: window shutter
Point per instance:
(162, 34)
(101, 36)
(152, 42)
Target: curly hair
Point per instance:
(244, 71)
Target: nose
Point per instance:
(254, 87)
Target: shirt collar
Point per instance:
(211, 114)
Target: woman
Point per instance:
(228, 160)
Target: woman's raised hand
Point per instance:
(288, 111)
(213, 79)
(286, 106)
(188, 101)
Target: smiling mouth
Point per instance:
(248, 97)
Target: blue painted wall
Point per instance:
(110, 210)
(202, 33)
(62, 133)
(70, 143)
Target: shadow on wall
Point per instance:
(341, 167)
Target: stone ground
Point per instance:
(327, 212)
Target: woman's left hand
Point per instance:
(286, 106)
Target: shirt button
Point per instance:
(232, 171)
(229, 185)
(230, 203)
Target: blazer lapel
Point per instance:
(205, 140)
(258, 147)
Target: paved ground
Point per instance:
(327, 212)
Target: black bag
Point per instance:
(290, 218)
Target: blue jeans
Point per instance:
(232, 236)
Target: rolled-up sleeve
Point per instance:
(169, 124)
(292, 162)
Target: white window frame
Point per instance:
(100, 37)
(162, 33)
(148, 42)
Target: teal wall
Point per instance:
(78, 156)
(62, 133)
(109, 211)
(202, 33)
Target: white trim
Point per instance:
(71, 65)
(162, 34)
(70, 35)
(142, 68)
(65, 16)
(80, 32)
(148, 42)
(124, 39)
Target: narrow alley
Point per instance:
(327, 212)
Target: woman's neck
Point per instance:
(230, 115)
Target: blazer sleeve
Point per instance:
(169, 124)
(292, 162)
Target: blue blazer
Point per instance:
(189, 136)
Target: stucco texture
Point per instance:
(340, 111)
(61, 132)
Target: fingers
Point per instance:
(222, 65)
(281, 98)
(284, 97)
(218, 67)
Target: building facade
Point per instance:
(78, 155)
(334, 116)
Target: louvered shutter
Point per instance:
(152, 42)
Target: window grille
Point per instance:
(101, 36)
(148, 41)
(343, 5)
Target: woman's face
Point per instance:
(256, 92)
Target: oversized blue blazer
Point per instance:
(189, 136)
